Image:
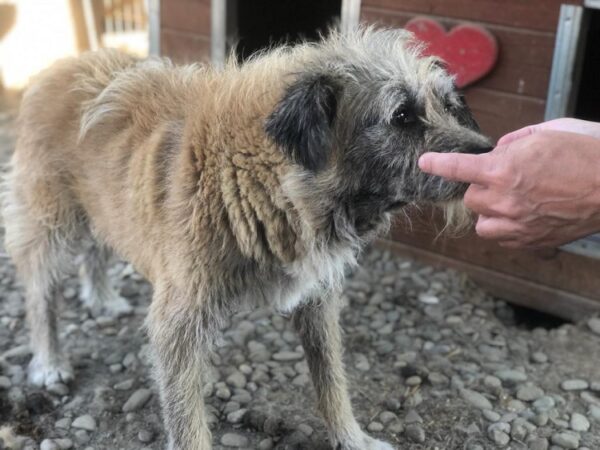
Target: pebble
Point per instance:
(539, 357)
(375, 427)
(413, 381)
(48, 444)
(566, 440)
(236, 416)
(4, 382)
(499, 437)
(415, 432)
(574, 385)
(136, 400)
(145, 436)
(63, 423)
(511, 376)
(361, 362)
(544, 404)
(492, 382)
(538, 443)
(287, 356)
(475, 399)
(529, 393)
(594, 325)
(124, 385)
(490, 415)
(237, 380)
(85, 422)
(266, 444)
(579, 422)
(234, 440)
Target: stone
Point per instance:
(236, 380)
(85, 422)
(492, 382)
(529, 393)
(415, 432)
(544, 404)
(234, 440)
(236, 416)
(500, 438)
(136, 400)
(475, 398)
(511, 376)
(48, 444)
(5, 382)
(386, 417)
(490, 415)
(361, 362)
(375, 427)
(539, 357)
(64, 423)
(59, 389)
(266, 444)
(538, 443)
(574, 385)
(124, 385)
(566, 440)
(579, 422)
(594, 325)
(145, 436)
(287, 356)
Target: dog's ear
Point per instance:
(302, 121)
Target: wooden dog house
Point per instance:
(545, 70)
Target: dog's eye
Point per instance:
(448, 107)
(403, 116)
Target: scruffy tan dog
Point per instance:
(254, 184)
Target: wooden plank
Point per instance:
(555, 269)
(184, 47)
(508, 287)
(186, 15)
(524, 59)
(499, 113)
(535, 15)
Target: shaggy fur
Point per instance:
(252, 185)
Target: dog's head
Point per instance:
(362, 110)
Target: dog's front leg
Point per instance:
(181, 346)
(317, 323)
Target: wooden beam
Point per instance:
(511, 288)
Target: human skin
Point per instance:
(540, 186)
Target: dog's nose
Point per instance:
(479, 149)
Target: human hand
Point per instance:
(537, 188)
(564, 124)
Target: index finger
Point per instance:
(455, 166)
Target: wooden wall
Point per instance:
(514, 94)
(185, 30)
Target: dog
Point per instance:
(254, 184)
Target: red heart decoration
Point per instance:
(470, 51)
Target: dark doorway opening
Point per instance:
(257, 24)
(587, 104)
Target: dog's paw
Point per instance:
(45, 374)
(364, 442)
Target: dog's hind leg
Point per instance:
(97, 293)
(319, 330)
(181, 346)
(41, 250)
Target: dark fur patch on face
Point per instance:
(302, 121)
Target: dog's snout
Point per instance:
(479, 149)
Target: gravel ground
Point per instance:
(434, 363)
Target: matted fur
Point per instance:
(256, 184)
